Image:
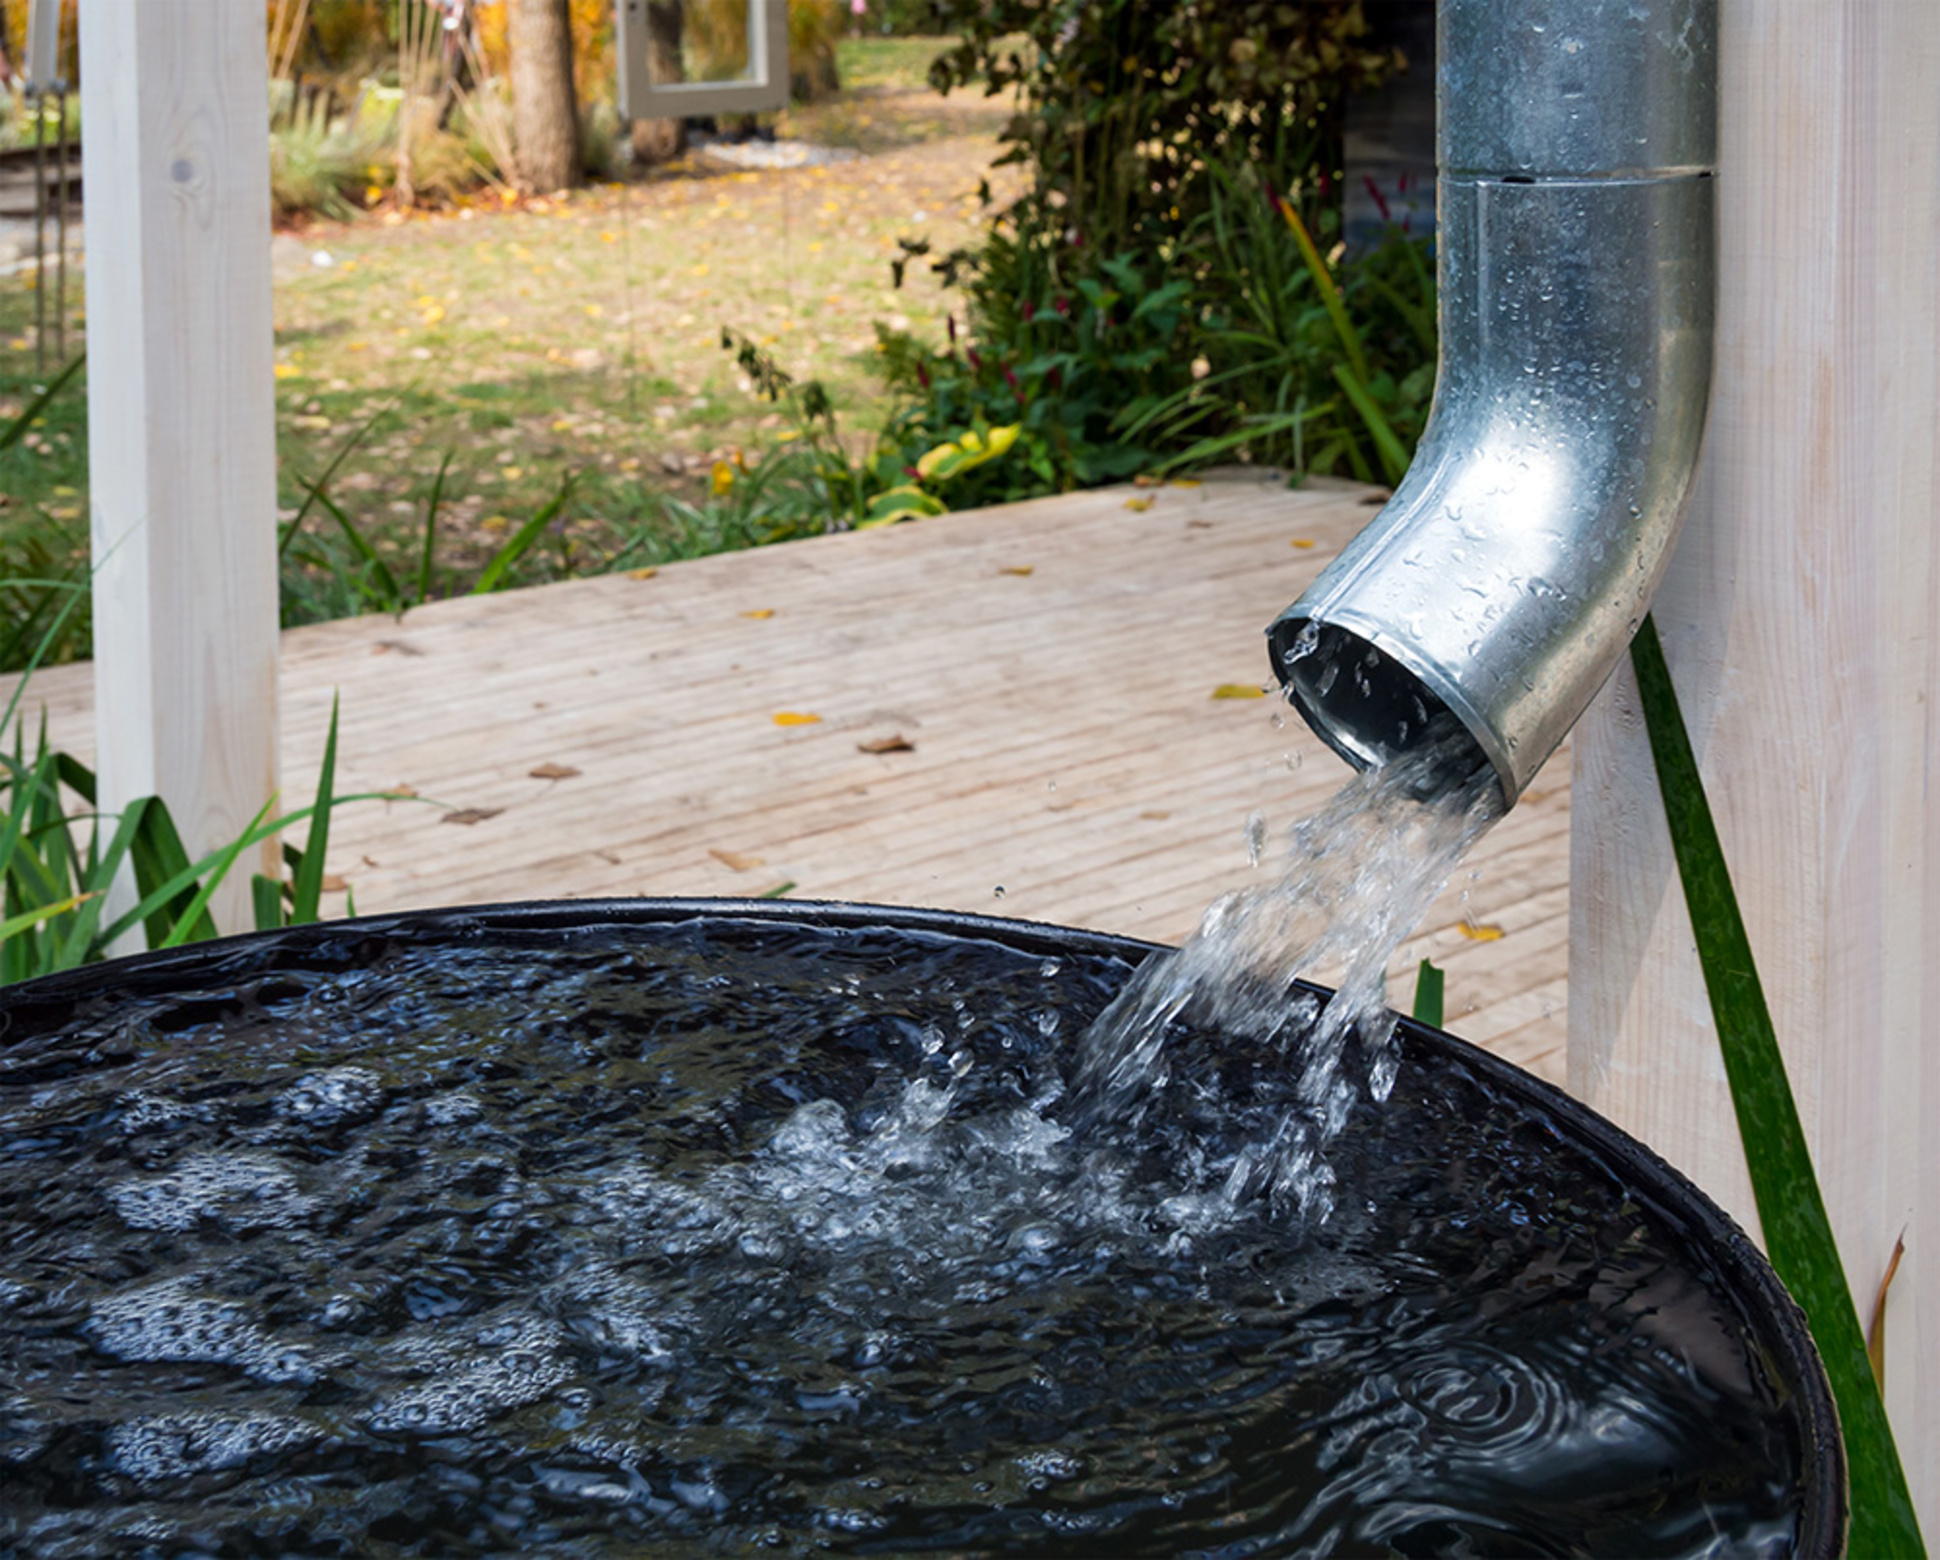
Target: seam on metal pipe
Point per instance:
(1497, 590)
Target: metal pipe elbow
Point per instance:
(1495, 593)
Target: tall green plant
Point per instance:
(1791, 1211)
(1321, 366)
(60, 857)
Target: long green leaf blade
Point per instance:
(309, 874)
(427, 554)
(1798, 1234)
(1323, 279)
(1394, 454)
(1430, 983)
(16, 430)
(521, 542)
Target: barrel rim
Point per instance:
(1823, 1516)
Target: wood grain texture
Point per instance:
(1065, 744)
(181, 412)
(1798, 623)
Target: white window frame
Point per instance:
(764, 87)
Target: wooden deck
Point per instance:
(1051, 667)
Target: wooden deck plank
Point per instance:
(1066, 744)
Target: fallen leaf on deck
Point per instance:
(1199, 525)
(1239, 691)
(1021, 570)
(1476, 933)
(1184, 482)
(896, 744)
(1369, 500)
(1139, 504)
(760, 612)
(796, 718)
(641, 574)
(735, 860)
(400, 792)
(553, 772)
(1302, 542)
(471, 815)
(1142, 480)
(1156, 813)
(332, 884)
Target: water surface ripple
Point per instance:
(727, 1235)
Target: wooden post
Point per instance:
(1799, 619)
(181, 414)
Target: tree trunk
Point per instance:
(545, 113)
(661, 140)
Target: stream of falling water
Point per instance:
(1358, 876)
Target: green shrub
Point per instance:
(1127, 103)
(1147, 301)
(1073, 368)
(321, 162)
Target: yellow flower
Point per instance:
(723, 478)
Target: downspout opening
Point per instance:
(1492, 597)
(1372, 710)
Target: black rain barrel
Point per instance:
(700, 1227)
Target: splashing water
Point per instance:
(1359, 875)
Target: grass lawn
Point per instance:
(565, 337)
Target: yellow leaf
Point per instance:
(607, 237)
(1302, 542)
(562, 425)
(760, 612)
(1876, 1328)
(796, 718)
(1476, 933)
(288, 371)
(551, 771)
(641, 574)
(594, 311)
(735, 860)
(1138, 504)
(929, 460)
(1239, 691)
(511, 473)
(1183, 482)
(1019, 569)
(1003, 438)
(434, 314)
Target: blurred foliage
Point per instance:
(1124, 104)
(1150, 300)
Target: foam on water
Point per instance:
(722, 1235)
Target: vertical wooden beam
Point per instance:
(181, 413)
(1799, 619)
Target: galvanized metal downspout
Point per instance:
(1497, 590)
